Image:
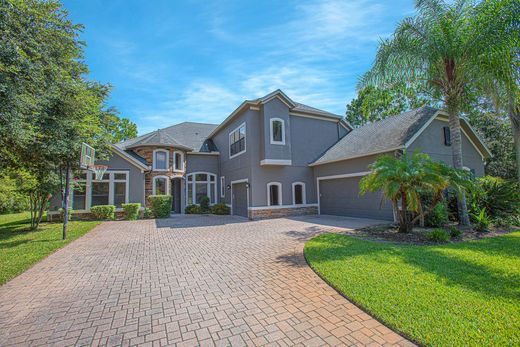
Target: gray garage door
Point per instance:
(340, 197)
(239, 199)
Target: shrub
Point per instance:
(62, 213)
(161, 205)
(131, 210)
(499, 197)
(220, 208)
(438, 235)
(204, 203)
(481, 221)
(193, 209)
(455, 232)
(147, 213)
(103, 212)
(438, 217)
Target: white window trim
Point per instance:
(304, 194)
(273, 142)
(222, 187)
(167, 184)
(167, 159)
(175, 169)
(193, 188)
(111, 191)
(280, 198)
(245, 141)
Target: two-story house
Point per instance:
(271, 157)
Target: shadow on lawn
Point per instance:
(455, 270)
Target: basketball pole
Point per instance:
(66, 204)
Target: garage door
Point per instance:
(239, 199)
(340, 197)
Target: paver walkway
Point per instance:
(188, 280)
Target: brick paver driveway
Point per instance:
(188, 280)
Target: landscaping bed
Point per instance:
(419, 235)
(454, 294)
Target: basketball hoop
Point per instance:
(99, 171)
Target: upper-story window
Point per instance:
(447, 136)
(160, 160)
(178, 161)
(277, 131)
(237, 141)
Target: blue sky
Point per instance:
(173, 61)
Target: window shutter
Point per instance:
(447, 136)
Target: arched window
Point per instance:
(161, 185)
(201, 184)
(298, 193)
(274, 193)
(160, 160)
(277, 131)
(178, 161)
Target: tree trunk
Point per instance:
(514, 117)
(66, 202)
(456, 147)
(404, 225)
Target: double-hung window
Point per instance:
(237, 141)
(160, 160)
(277, 131)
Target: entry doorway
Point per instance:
(176, 194)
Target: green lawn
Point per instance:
(444, 295)
(20, 248)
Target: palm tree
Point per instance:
(438, 49)
(407, 178)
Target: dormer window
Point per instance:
(178, 161)
(160, 160)
(277, 131)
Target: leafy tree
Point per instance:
(407, 179)
(11, 199)
(48, 106)
(373, 104)
(439, 49)
(501, 67)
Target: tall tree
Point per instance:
(373, 104)
(501, 67)
(439, 48)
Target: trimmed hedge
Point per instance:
(161, 205)
(221, 209)
(194, 209)
(62, 213)
(103, 212)
(131, 210)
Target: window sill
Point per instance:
(236, 155)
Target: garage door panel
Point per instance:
(341, 197)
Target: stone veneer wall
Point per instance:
(282, 212)
(147, 153)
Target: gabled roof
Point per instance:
(189, 136)
(389, 134)
(293, 107)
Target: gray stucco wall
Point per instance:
(116, 163)
(239, 167)
(275, 109)
(346, 166)
(310, 138)
(431, 142)
(204, 163)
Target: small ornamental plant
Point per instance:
(161, 205)
(131, 210)
(103, 212)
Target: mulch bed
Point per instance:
(389, 233)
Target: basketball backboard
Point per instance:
(88, 156)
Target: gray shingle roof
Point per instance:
(187, 135)
(306, 108)
(387, 134)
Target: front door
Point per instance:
(239, 199)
